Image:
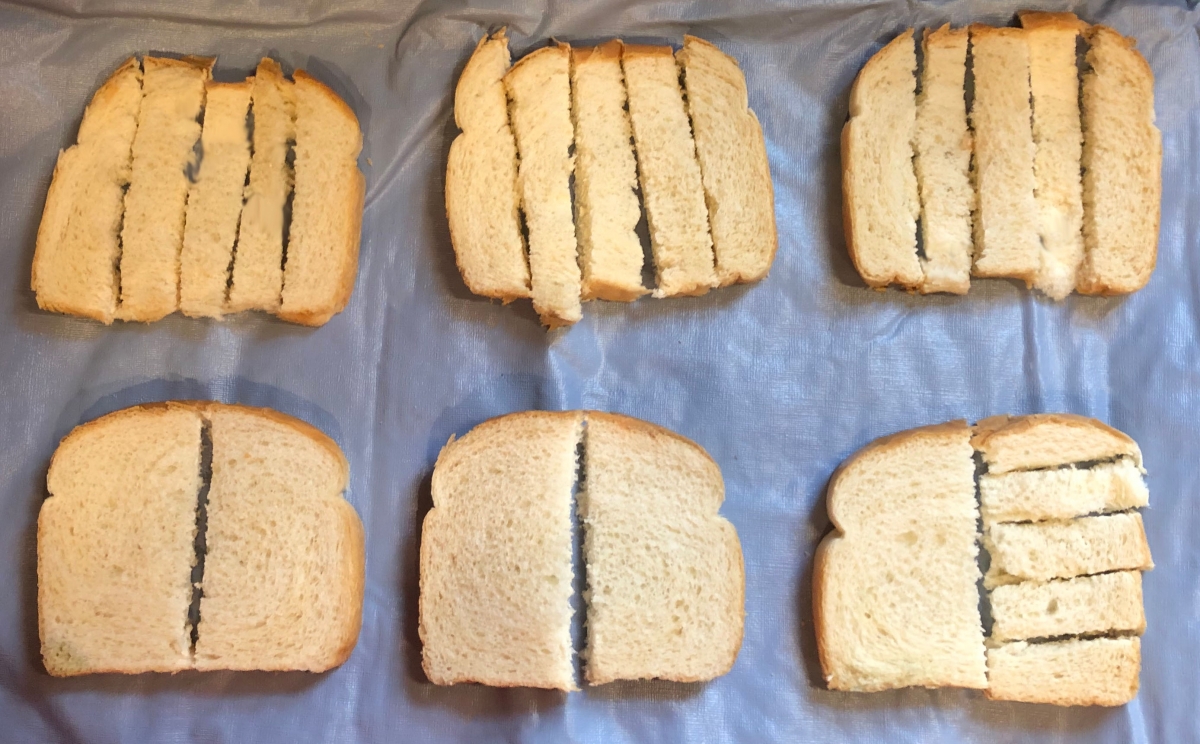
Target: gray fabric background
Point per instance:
(779, 381)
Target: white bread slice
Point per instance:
(155, 205)
(258, 265)
(74, 264)
(115, 549)
(943, 163)
(283, 573)
(1098, 671)
(496, 575)
(606, 207)
(481, 179)
(1085, 605)
(1054, 82)
(894, 586)
(1062, 493)
(1122, 161)
(539, 89)
(215, 200)
(733, 163)
(1048, 440)
(1061, 549)
(666, 583)
(1006, 222)
(669, 173)
(880, 203)
(327, 209)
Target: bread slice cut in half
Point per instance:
(1061, 549)
(1097, 671)
(1086, 605)
(1062, 493)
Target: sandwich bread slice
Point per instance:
(1095, 671)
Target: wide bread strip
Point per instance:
(1100, 671)
(1061, 549)
(74, 264)
(1048, 440)
(1062, 493)
(1086, 605)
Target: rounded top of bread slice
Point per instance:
(1046, 440)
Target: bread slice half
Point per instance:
(1061, 549)
(1048, 440)
(1062, 493)
(1087, 605)
(1098, 671)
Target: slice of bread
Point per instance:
(606, 207)
(943, 163)
(1048, 440)
(880, 203)
(496, 575)
(1122, 164)
(283, 573)
(666, 585)
(1006, 221)
(1062, 493)
(1060, 549)
(733, 163)
(322, 251)
(1086, 605)
(156, 202)
(1054, 82)
(669, 173)
(215, 200)
(1099, 671)
(78, 241)
(258, 266)
(115, 550)
(481, 179)
(894, 585)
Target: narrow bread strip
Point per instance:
(880, 203)
(156, 203)
(258, 264)
(666, 583)
(1122, 161)
(606, 207)
(115, 550)
(1054, 81)
(481, 179)
(672, 187)
(1061, 549)
(215, 200)
(539, 88)
(1048, 440)
(322, 251)
(78, 245)
(1099, 671)
(1006, 223)
(1086, 605)
(894, 586)
(1062, 493)
(496, 575)
(733, 163)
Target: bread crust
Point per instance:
(989, 430)
(1033, 20)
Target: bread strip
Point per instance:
(1061, 549)
(1006, 224)
(258, 263)
(733, 163)
(322, 250)
(155, 205)
(1054, 81)
(74, 264)
(1062, 493)
(672, 188)
(1048, 440)
(943, 163)
(606, 207)
(215, 200)
(1122, 161)
(1084, 605)
(481, 179)
(1101, 671)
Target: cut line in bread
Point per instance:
(1084, 605)
(1061, 549)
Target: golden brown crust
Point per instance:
(632, 51)
(1033, 20)
(202, 64)
(555, 50)
(979, 29)
(608, 51)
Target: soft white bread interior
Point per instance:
(733, 163)
(74, 264)
(665, 578)
(156, 202)
(214, 204)
(1085, 605)
(606, 205)
(672, 187)
(1098, 671)
(880, 203)
(481, 179)
(1062, 493)
(943, 163)
(1122, 163)
(322, 251)
(258, 270)
(496, 575)
(1048, 440)
(1061, 549)
(115, 543)
(894, 586)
